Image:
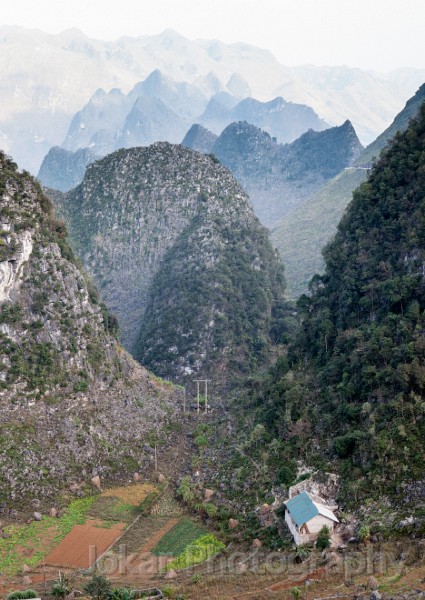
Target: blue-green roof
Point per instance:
(301, 508)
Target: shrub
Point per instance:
(98, 587)
(61, 587)
(363, 533)
(22, 595)
(122, 594)
(323, 539)
(295, 592)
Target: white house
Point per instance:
(306, 516)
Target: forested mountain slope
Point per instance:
(355, 376)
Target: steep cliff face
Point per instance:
(151, 225)
(72, 401)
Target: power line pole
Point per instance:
(206, 395)
(205, 382)
(197, 381)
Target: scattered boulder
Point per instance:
(372, 584)
(25, 569)
(160, 478)
(375, 595)
(136, 477)
(26, 580)
(265, 508)
(96, 482)
(74, 487)
(208, 494)
(79, 494)
(35, 503)
(233, 523)
(53, 512)
(257, 543)
(171, 574)
(37, 516)
(333, 559)
(241, 567)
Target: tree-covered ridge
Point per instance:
(352, 387)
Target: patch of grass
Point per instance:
(40, 537)
(175, 541)
(197, 552)
(113, 509)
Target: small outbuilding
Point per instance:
(305, 516)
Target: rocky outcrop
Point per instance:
(73, 404)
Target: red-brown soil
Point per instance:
(84, 544)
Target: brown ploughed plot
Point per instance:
(84, 544)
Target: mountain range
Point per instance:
(160, 109)
(279, 177)
(47, 78)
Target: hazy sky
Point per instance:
(376, 34)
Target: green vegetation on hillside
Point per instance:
(352, 387)
(214, 296)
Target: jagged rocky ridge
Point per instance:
(280, 177)
(73, 402)
(303, 233)
(285, 121)
(179, 256)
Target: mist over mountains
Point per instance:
(47, 79)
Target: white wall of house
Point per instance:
(316, 523)
(314, 526)
(293, 528)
